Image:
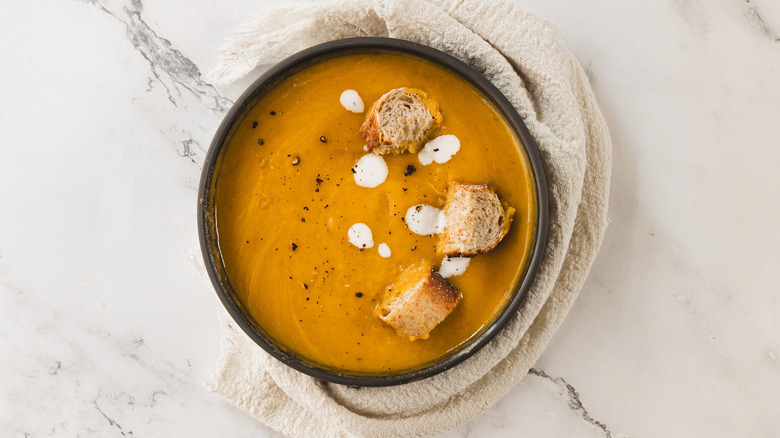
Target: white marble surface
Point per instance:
(107, 326)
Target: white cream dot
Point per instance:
(370, 171)
(425, 219)
(453, 266)
(360, 235)
(441, 149)
(351, 101)
(384, 250)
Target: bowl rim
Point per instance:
(472, 76)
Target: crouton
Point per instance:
(400, 121)
(417, 301)
(476, 220)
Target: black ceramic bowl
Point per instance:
(207, 221)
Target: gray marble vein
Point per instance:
(170, 68)
(108, 321)
(756, 16)
(573, 399)
(179, 77)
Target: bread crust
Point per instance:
(415, 311)
(377, 139)
(477, 220)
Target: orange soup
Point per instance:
(285, 198)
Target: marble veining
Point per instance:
(175, 72)
(178, 75)
(108, 322)
(755, 14)
(573, 398)
(76, 372)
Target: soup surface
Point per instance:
(285, 197)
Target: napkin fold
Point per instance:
(526, 58)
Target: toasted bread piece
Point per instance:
(417, 301)
(401, 120)
(476, 220)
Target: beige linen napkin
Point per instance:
(525, 57)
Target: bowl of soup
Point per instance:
(280, 200)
